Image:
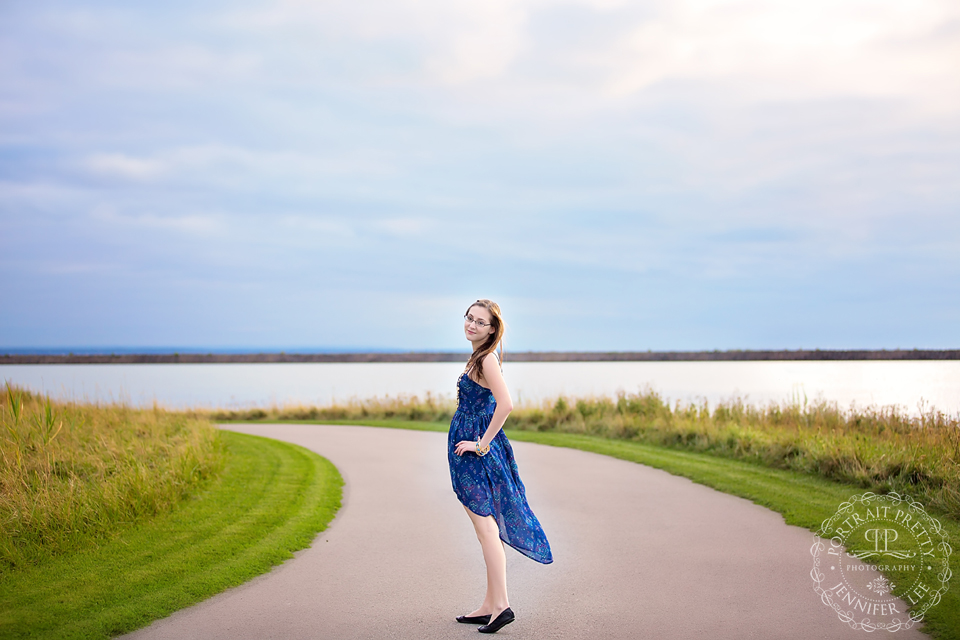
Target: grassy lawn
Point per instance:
(74, 474)
(270, 500)
(881, 449)
(273, 497)
(804, 500)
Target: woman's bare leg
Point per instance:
(496, 560)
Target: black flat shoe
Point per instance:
(506, 617)
(473, 619)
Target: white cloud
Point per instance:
(402, 226)
(782, 49)
(329, 227)
(189, 224)
(124, 166)
(237, 165)
(690, 138)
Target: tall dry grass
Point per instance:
(431, 409)
(880, 449)
(71, 473)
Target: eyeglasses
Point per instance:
(480, 323)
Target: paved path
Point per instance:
(638, 554)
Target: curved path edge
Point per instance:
(638, 553)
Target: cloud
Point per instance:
(123, 166)
(610, 155)
(190, 224)
(507, 49)
(402, 227)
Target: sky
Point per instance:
(336, 175)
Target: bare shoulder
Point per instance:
(491, 368)
(491, 360)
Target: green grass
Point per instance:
(804, 499)
(881, 449)
(73, 475)
(270, 500)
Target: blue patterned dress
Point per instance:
(491, 485)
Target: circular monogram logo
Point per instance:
(880, 562)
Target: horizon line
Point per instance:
(252, 357)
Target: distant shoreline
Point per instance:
(521, 356)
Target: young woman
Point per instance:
(484, 473)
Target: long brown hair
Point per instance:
(493, 340)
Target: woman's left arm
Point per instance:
(494, 379)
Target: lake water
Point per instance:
(863, 383)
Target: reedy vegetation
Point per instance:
(270, 499)
(71, 474)
(879, 449)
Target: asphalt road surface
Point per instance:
(638, 553)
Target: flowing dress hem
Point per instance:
(526, 552)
